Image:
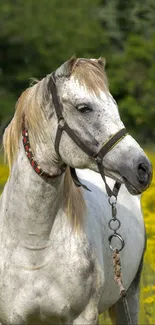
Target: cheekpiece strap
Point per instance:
(76, 180)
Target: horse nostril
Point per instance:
(143, 173)
(143, 169)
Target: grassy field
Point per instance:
(147, 298)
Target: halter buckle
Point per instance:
(61, 122)
(112, 200)
(98, 159)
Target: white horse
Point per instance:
(55, 261)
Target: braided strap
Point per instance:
(33, 162)
(117, 272)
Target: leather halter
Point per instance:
(63, 126)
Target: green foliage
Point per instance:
(133, 85)
(37, 36)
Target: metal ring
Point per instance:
(116, 227)
(112, 200)
(120, 239)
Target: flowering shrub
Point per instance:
(4, 172)
(147, 315)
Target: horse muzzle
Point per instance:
(137, 179)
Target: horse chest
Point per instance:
(59, 282)
(59, 287)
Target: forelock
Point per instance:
(91, 73)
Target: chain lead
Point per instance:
(114, 224)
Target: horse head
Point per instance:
(90, 111)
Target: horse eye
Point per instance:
(83, 108)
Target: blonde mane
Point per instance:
(29, 105)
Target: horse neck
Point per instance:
(33, 201)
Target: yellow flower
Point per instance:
(149, 300)
(146, 289)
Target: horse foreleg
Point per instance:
(118, 314)
(88, 317)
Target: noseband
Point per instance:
(63, 126)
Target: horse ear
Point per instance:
(102, 61)
(66, 68)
